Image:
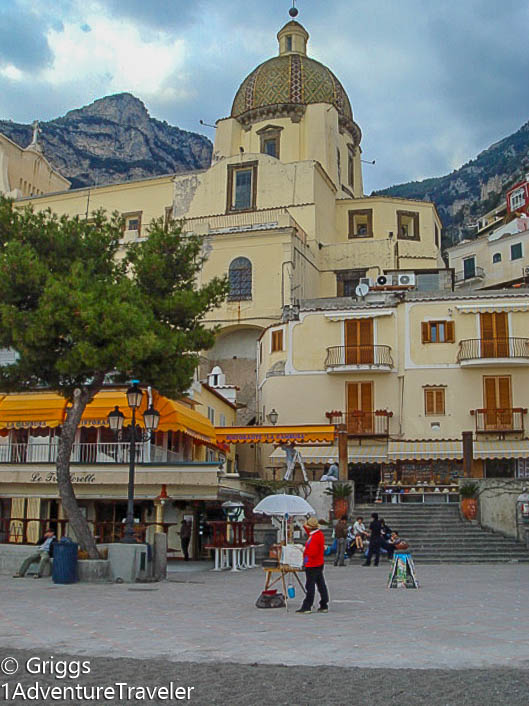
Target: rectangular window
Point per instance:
(469, 267)
(361, 223)
(516, 251)
(277, 340)
(132, 222)
(351, 171)
(222, 422)
(242, 187)
(497, 398)
(438, 332)
(271, 146)
(359, 348)
(211, 415)
(517, 199)
(360, 397)
(289, 42)
(408, 225)
(347, 281)
(494, 327)
(434, 401)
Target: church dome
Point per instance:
(286, 84)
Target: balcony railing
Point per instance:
(360, 423)
(118, 452)
(377, 356)
(479, 348)
(478, 273)
(499, 420)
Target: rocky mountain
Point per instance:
(478, 186)
(114, 139)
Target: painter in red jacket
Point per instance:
(313, 562)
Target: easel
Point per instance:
(402, 572)
(283, 570)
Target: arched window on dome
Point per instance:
(240, 277)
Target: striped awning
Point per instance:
(302, 434)
(505, 448)
(428, 450)
(367, 453)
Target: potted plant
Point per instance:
(340, 493)
(469, 502)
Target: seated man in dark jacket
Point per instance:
(42, 555)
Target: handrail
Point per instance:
(359, 355)
(479, 273)
(360, 423)
(90, 453)
(477, 348)
(499, 420)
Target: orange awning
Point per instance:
(276, 435)
(32, 409)
(48, 409)
(175, 416)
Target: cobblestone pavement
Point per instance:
(461, 617)
(462, 638)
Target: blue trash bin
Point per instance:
(65, 561)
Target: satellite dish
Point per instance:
(362, 290)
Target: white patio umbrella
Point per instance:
(284, 505)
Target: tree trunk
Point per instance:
(78, 522)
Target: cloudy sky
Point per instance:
(432, 83)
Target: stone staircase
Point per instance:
(436, 534)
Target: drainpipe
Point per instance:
(286, 262)
(401, 401)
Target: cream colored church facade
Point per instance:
(283, 214)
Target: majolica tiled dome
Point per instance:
(290, 80)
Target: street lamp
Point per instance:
(272, 417)
(151, 417)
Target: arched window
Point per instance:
(240, 275)
(496, 257)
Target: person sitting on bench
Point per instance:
(43, 555)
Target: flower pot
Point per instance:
(340, 507)
(469, 508)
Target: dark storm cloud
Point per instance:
(23, 40)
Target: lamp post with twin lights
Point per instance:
(151, 417)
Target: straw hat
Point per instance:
(313, 523)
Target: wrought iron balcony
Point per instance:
(362, 424)
(478, 273)
(499, 420)
(348, 357)
(473, 350)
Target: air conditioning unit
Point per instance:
(406, 280)
(526, 271)
(366, 280)
(382, 281)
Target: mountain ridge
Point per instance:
(114, 139)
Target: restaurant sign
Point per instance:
(51, 477)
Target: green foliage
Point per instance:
(339, 490)
(469, 490)
(74, 304)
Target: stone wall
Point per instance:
(497, 505)
(12, 556)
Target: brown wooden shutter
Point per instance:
(450, 332)
(429, 402)
(504, 390)
(439, 401)
(366, 340)
(425, 328)
(352, 397)
(501, 326)
(490, 393)
(366, 402)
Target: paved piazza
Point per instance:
(472, 619)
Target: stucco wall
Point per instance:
(497, 505)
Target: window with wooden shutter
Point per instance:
(434, 401)
(494, 334)
(359, 342)
(498, 402)
(359, 407)
(438, 332)
(277, 340)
